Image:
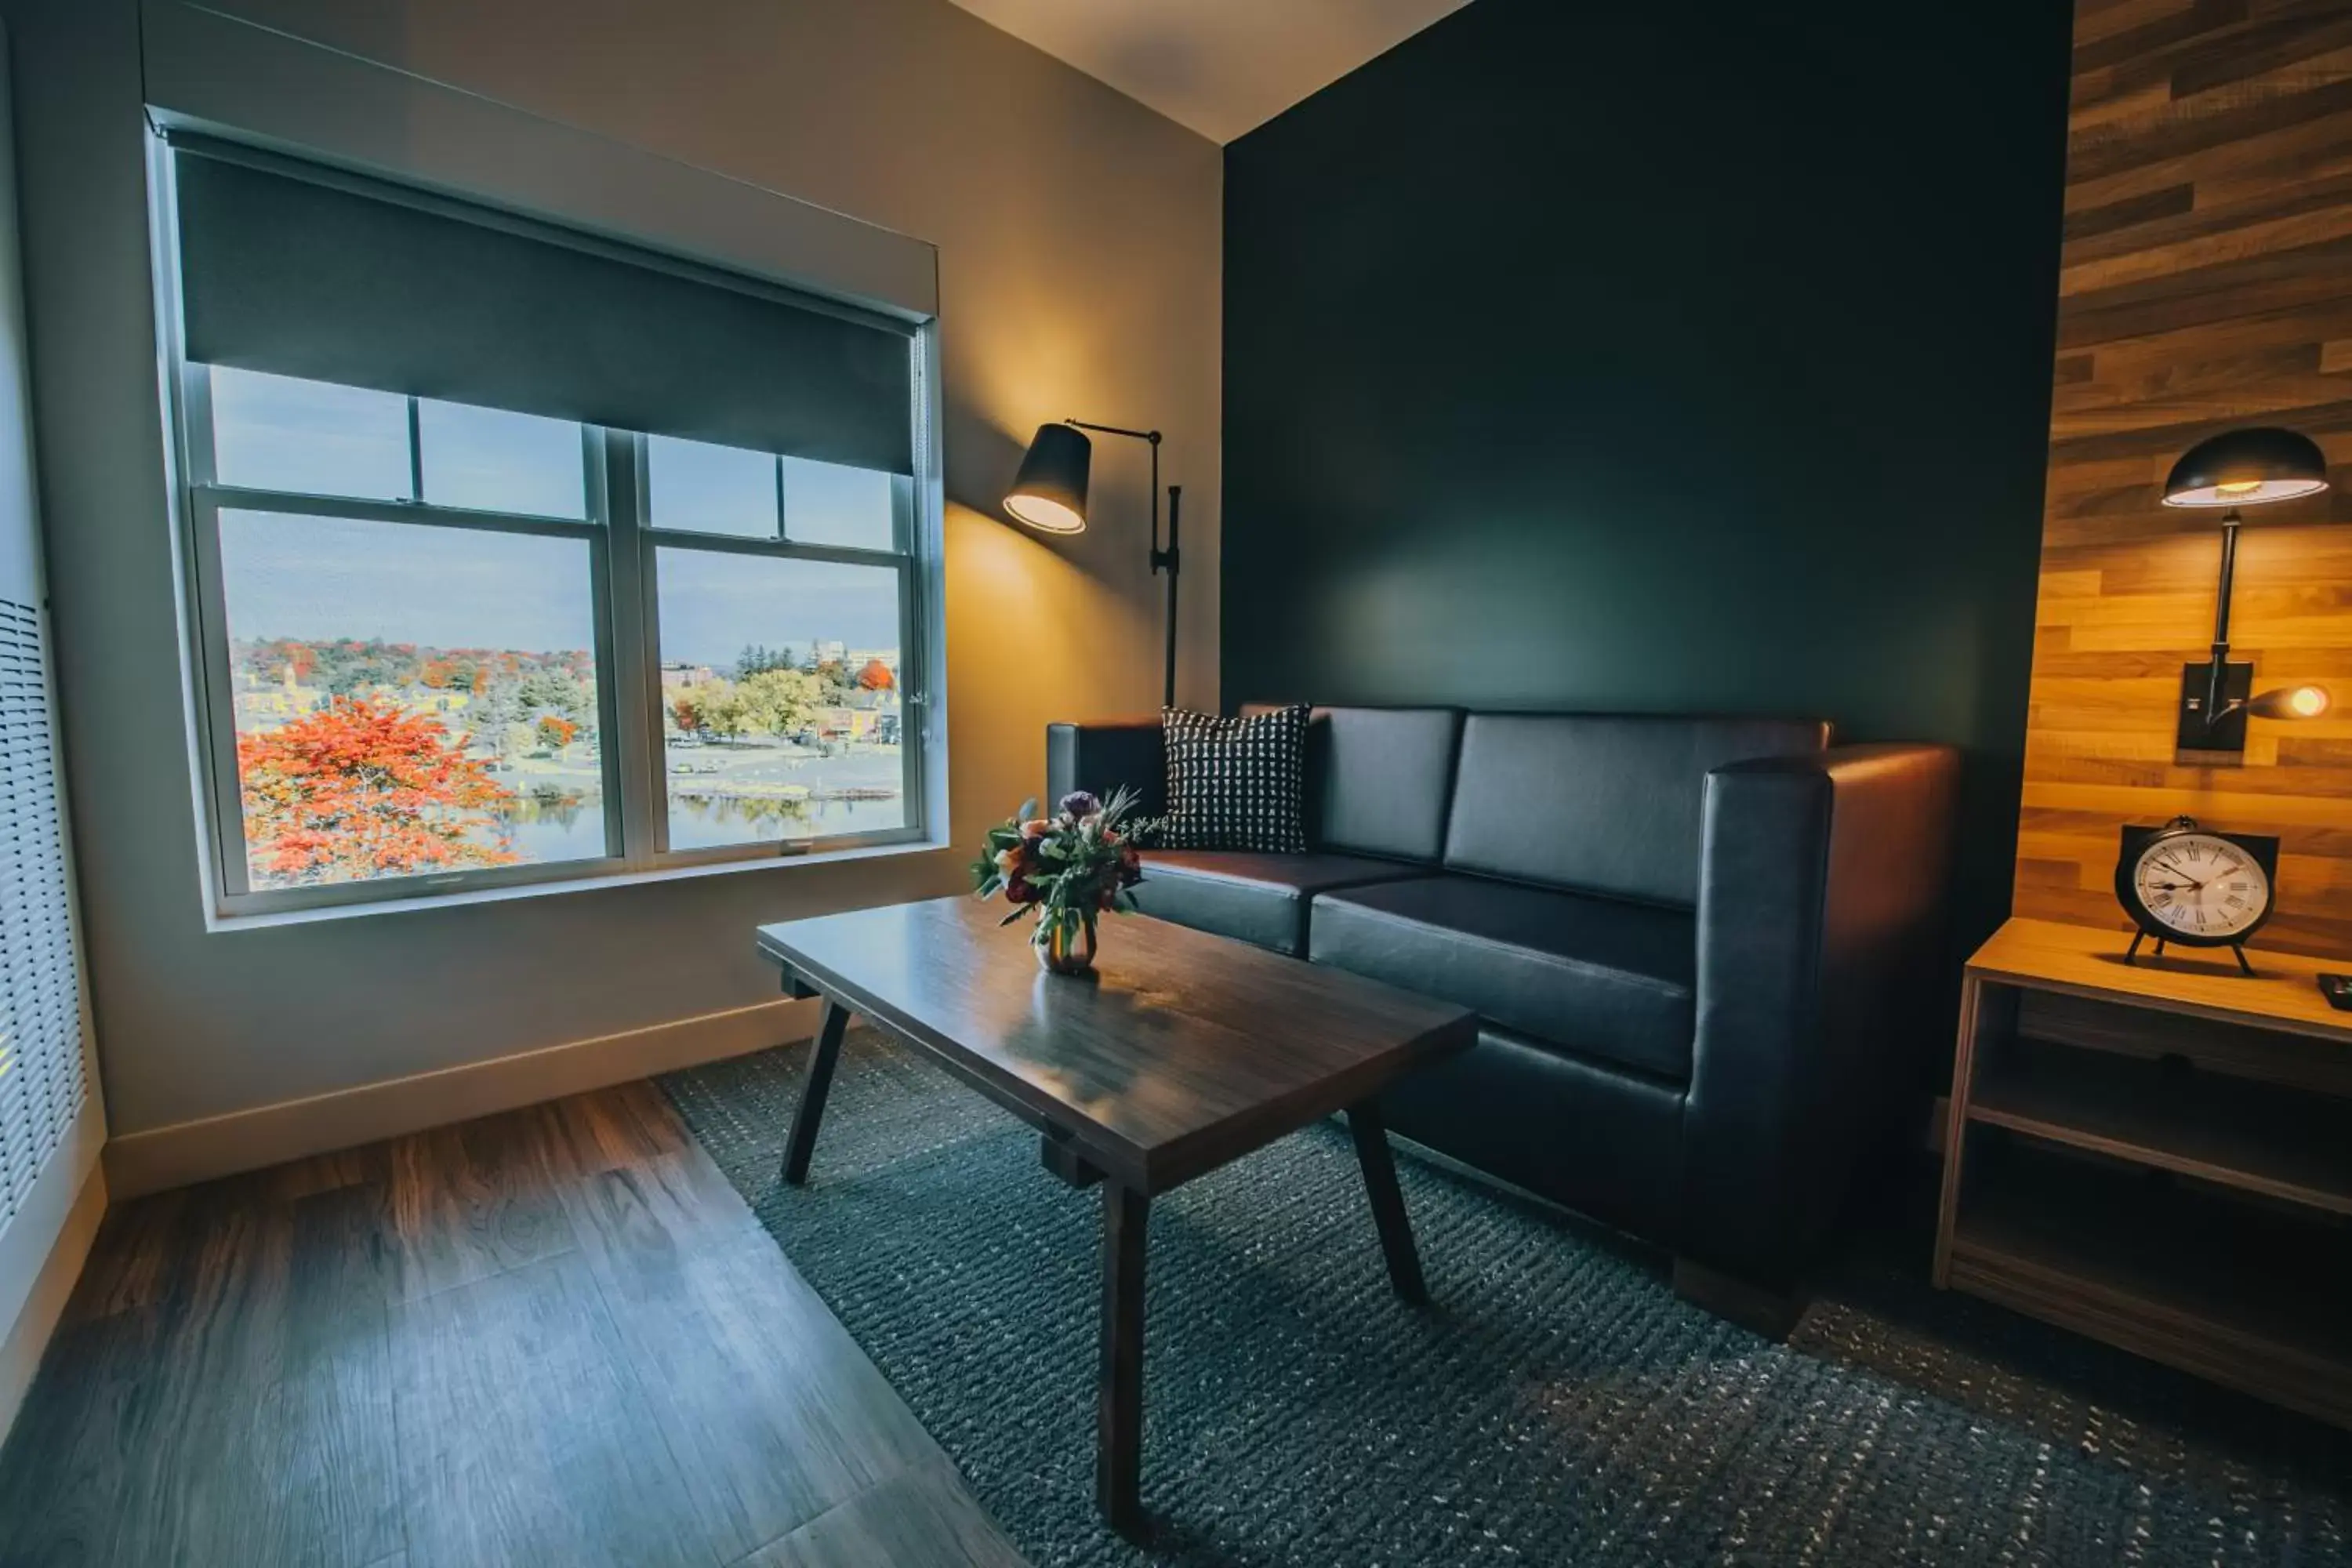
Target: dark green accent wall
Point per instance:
(1679, 357)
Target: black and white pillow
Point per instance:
(1236, 783)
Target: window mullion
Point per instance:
(636, 765)
(780, 550)
(216, 701)
(911, 692)
(231, 498)
(415, 452)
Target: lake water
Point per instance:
(542, 834)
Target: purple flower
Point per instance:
(1078, 806)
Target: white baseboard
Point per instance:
(190, 1152)
(45, 1302)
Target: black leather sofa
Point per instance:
(1704, 952)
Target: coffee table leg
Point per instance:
(1388, 1203)
(1119, 1454)
(820, 1079)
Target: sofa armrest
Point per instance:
(1104, 755)
(1822, 917)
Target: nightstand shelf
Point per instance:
(2158, 1156)
(2166, 1270)
(2173, 1116)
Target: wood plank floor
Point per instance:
(556, 1336)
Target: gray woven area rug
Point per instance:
(1557, 1406)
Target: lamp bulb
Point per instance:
(2291, 702)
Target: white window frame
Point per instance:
(623, 545)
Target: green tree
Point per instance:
(558, 692)
(760, 658)
(496, 714)
(721, 707)
(780, 701)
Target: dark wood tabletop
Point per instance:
(1183, 1052)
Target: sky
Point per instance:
(713, 605)
(322, 579)
(328, 578)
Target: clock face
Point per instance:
(2200, 885)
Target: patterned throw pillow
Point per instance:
(1236, 783)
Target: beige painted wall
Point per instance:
(1080, 250)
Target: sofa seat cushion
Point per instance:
(1601, 977)
(1261, 899)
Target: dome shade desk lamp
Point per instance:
(2239, 469)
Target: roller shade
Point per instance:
(341, 283)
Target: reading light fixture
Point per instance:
(2239, 468)
(1049, 494)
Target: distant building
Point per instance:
(859, 658)
(856, 720)
(676, 675)
(832, 652)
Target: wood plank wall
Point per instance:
(2206, 283)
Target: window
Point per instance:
(446, 642)
(797, 730)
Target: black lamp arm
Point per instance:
(1169, 559)
(1159, 557)
(1151, 436)
(2217, 705)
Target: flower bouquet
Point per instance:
(1067, 869)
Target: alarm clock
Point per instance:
(2186, 884)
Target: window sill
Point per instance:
(216, 921)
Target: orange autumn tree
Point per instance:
(363, 788)
(875, 676)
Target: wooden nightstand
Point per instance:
(2158, 1155)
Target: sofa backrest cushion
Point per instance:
(1380, 780)
(1602, 802)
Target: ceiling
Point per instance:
(1221, 67)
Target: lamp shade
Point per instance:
(2247, 468)
(1050, 493)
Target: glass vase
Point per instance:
(1065, 947)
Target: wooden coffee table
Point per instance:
(1186, 1052)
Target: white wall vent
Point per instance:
(43, 1081)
